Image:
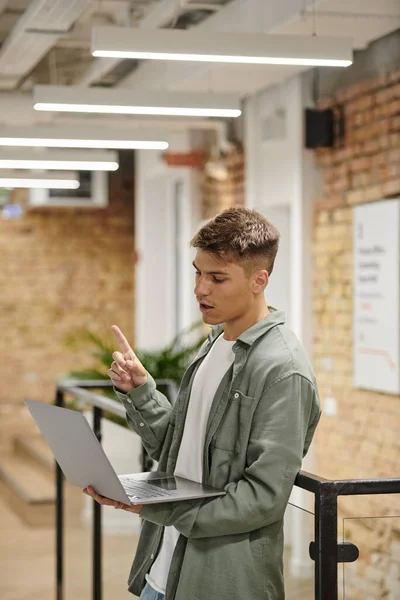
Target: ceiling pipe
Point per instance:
(162, 14)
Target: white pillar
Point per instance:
(163, 229)
(281, 181)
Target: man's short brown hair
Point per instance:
(240, 235)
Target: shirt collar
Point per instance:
(251, 335)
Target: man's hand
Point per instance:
(108, 502)
(126, 372)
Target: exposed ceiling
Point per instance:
(363, 20)
(48, 41)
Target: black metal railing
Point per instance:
(325, 550)
(80, 390)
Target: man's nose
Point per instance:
(201, 289)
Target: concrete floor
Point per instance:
(27, 553)
(27, 560)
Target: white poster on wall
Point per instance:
(377, 296)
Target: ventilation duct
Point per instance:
(36, 32)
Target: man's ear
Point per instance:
(259, 281)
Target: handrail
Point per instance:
(76, 388)
(324, 550)
(102, 402)
(80, 389)
(348, 487)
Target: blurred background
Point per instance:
(109, 163)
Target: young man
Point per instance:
(245, 415)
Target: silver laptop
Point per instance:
(84, 462)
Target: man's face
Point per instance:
(222, 289)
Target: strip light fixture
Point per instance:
(59, 160)
(80, 137)
(139, 102)
(54, 180)
(240, 48)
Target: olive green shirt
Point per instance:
(260, 426)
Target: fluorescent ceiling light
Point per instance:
(77, 143)
(55, 180)
(127, 102)
(240, 48)
(56, 164)
(61, 160)
(79, 137)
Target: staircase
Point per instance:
(28, 480)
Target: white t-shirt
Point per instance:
(190, 457)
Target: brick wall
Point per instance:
(63, 269)
(220, 193)
(363, 440)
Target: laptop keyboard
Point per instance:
(143, 491)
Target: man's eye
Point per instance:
(218, 280)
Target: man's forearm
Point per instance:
(148, 413)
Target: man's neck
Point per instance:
(234, 329)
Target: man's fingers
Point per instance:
(133, 365)
(116, 372)
(122, 372)
(121, 339)
(137, 509)
(108, 502)
(100, 499)
(119, 359)
(114, 376)
(121, 505)
(128, 363)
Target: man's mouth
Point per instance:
(205, 307)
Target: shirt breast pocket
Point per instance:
(233, 432)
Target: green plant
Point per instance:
(172, 361)
(99, 348)
(168, 363)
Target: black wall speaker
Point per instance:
(320, 128)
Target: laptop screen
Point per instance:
(165, 483)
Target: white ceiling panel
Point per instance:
(34, 34)
(53, 15)
(233, 79)
(41, 27)
(362, 20)
(361, 7)
(363, 28)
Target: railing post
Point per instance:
(59, 517)
(146, 462)
(97, 537)
(326, 558)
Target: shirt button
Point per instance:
(141, 424)
(129, 400)
(152, 556)
(236, 395)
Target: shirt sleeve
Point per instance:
(283, 421)
(148, 413)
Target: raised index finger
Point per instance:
(122, 341)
